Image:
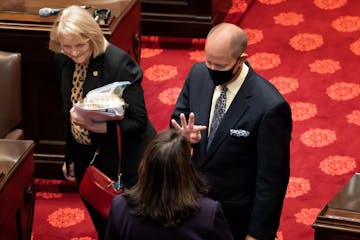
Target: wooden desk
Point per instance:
(340, 218)
(17, 193)
(181, 18)
(23, 30)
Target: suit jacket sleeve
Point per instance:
(273, 171)
(121, 67)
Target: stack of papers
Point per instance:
(103, 103)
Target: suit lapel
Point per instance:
(202, 118)
(233, 115)
(94, 74)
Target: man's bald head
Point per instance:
(231, 38)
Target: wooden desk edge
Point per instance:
(27, 21)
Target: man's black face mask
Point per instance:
(221, 77)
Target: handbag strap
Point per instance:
(118, 133)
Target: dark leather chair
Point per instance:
(17, 194)
(10, 95)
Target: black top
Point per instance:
(114, 65)
(207, 224)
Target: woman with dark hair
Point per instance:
(168, 200)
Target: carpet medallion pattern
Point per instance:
(310, 50)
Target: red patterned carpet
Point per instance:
(310, 50)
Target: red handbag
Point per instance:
(97, 188)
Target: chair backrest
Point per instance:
(10, 92)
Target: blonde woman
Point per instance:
(86, 60)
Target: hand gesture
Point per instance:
(188, 129)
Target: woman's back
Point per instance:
(207, 223)
(168, 200)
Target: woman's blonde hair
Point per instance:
(77, 22)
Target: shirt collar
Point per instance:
(234, 86)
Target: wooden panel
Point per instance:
(177, 6)
(17, 193)
(181, 18)
(340, 218)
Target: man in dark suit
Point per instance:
(245, 159)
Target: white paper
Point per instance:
(104, 103)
